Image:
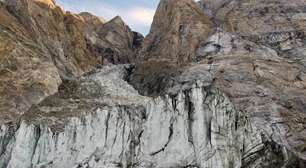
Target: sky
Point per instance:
(138, 14)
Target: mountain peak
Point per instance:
(178, 27)
(221, 83)
(117, 20)
(50, 3)
(90, 18)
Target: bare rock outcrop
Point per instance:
(117, 40)
(252, 66)
(92, 19)
(101, 121)
(41, 44)
(277, 24)
(177, 29)
(219, 85)
(267, 89)
(27, 73)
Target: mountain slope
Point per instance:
(41, 44)
(214, 84)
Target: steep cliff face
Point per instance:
(256, 79)
(101, 121)
(213, 86)
(177, 29)
(68, 37)
(27, 72)
(118, 42)
(277, 24)
(250, 66)
(41, 44)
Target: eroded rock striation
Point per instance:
(177, 29)
(41, 44)
(215, 84)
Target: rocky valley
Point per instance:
(215, 84)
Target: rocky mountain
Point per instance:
(215, 84)
(41, 45)
(177, 30)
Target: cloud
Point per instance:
(139, 16)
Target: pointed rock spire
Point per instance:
(117, 20)
(178, 28)
(92, 19)
(118, 41)
(50, 2)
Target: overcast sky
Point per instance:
(138, 14)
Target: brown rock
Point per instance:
(26, 71)
(178, 28)
(117, 42)
(248, 17)
(92, 19)
(210, 7)
(40, 44)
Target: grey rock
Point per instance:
(225, 90)
(91, 131)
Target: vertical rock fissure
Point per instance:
(117, 123)
(106, 127)
(37, 133)
(6, 154)
(169, 139)
(190, 110)
(6, 140)
(208, 116)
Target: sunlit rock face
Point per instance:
(213, 86)
(41, 44)
(178, 27)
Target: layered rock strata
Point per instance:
(214, 85)
(41, 44)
